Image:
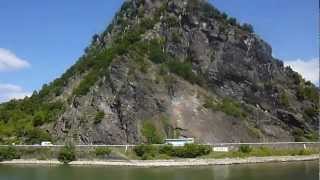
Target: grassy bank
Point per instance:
(144, 152)
(262, 152)
(205, 152)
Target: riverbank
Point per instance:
(168, 163)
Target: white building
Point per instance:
(179, 142)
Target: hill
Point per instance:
(168, 69)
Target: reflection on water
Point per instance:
(221, 172)
(270, 171)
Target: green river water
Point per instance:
(269, 171)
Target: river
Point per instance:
(269, 171)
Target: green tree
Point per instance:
(39, 118)
(9, 153)
(67, 154)
(248, 27)
(156, 54)
(246, 149)
(151, 133)
(232, 21)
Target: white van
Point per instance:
(46, 143)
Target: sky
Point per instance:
(41, 39)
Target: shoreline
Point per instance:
(168, 163)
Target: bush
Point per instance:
(39, 118)
(284, 99)
(248, 27)
(187, 151)
(228, 106)
(145, 150)
(167, 149)
(67, 154)
(101, 151)
(151, 133)
(192, 151)
(246, 149)
(184, 70)
(156, 54)
(99, 116)
(232, 21)
(232, 108)
(9, 153)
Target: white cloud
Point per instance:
(9, 61)
(309, 69)
(10, 91)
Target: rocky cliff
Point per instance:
(168, 69)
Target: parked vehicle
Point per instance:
(46, 143)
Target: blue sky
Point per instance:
(40, 39)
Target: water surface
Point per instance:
(270, 171)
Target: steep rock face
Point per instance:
(232, 62)
(187, 70)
